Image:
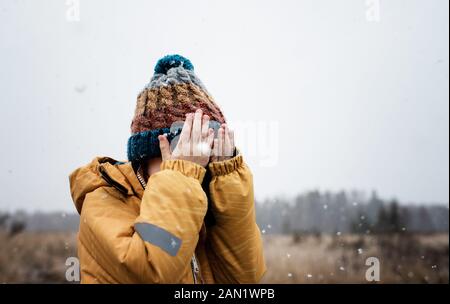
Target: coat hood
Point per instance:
(101, 172)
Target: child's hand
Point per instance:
(223, 148)
(195, 140)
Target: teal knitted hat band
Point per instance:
(145, 145)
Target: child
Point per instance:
(179, 213)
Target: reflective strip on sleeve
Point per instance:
(158, 237)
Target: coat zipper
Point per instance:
(112, 182)
(195, 270)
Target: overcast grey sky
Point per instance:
(359, 104)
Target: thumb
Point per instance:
(164, 147)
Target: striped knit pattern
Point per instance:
(173, 91)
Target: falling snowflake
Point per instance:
(360, 251)
(63, 215)
(309, 276)
(363, 217)
(355, 204)
(434, 267)
(404, 229)
(263, 231)
(338, 233)
(342, 268)
(290, 275)
(269, 226)
(325, 207)
(288, 255)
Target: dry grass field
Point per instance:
(341, 259)
(35, 257)
(40, 258)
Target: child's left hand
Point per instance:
(223, 145)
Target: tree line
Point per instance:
(348, 212)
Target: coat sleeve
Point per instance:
(234, 246)
(155, 247)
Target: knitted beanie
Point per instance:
(173, 91)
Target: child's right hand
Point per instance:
(195, 140)
(223, 145)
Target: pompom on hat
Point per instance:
(173, 91)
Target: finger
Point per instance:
(215, 149)
(231, 132)
(205, 126)
(206, 144)
(227, 142)
(210, 138)
(220, 144)
(197, 126)
(164, 147)
(185, 135)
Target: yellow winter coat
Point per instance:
(131, 235)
